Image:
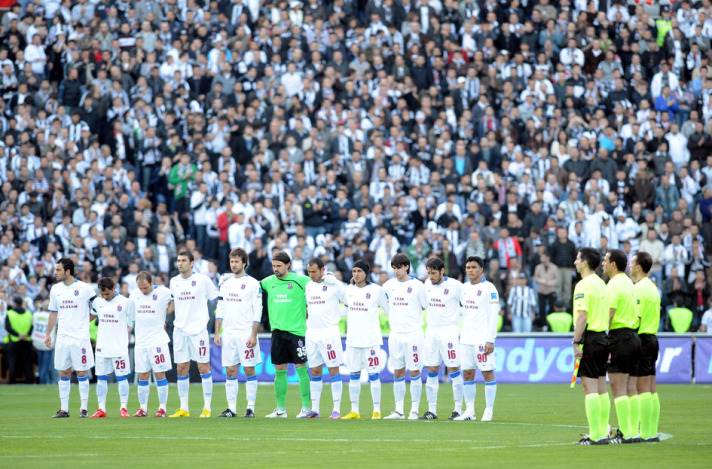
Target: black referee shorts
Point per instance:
(649, 355)
(287, 348)
(625, 351)
(595, 355)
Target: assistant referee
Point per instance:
(591, 322)
(284, 297)
(647, 299)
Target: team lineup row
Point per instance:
(304, 313)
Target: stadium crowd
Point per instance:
(518, 131)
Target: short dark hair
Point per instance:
(315, 261)
(435, 263)
(476, 259)
(619, 258)
(144, 276)
(239, 252)
(282, 256)
(400, 260)
(106, 283)
(67, 264)
(187, 254)
(644, 260)
(591, 256)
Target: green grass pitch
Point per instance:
(534, 426)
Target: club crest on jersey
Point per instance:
(289, 286)
(373, 352)
(193, 283)
(449, 345)
(155, 297)
(410, 289)
(446, 291)
(328, 346)
(301, 344)
(415, 348)
(242, 287)
(76, 292)
(119, 308)
(482, 349)
(202, 343)
(158, 349)
(368, 296)
(84, 351)
(479, 292)
(324, 288)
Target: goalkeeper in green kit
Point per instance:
(283, 295)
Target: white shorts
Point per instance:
(234, 350)
(324, 348)
(442, 345)
(121, 366)
(364, 358)
(73, 353)
(406, 350)
(157, 359)
(188, 348)
(474, 356)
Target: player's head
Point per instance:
(185, 262)
(106, 288)
(238, 261)
(436, 270)
(280, 264)
(315, 269)
(360, 272)
(64, 269)
(587, 258)
(614, 262)
(401, 265)
(640, 264)
(144, 280)
(474, 268)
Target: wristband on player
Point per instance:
(576, 342)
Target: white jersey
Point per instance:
(363, 328)
(72, 303)
(323, 309)
(191, 296)
(115, 317)
(480, 308)
(240, 304)
(443, 302)
(406, 301)
(151, 316)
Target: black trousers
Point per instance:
(20, 361)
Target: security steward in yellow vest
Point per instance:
(18, 325)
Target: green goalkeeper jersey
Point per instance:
(286, 302)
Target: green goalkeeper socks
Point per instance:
(634, 414)
(605, 413)
(646, 415)
(623, 411)
(656, 414)
(303, 374)
(280, 388)
(593, 414)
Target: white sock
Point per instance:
(231, 389)
(490, 393)
(470, 391)
(337, 386)
(207, 389)
(64, 388)
(183, 389)
(416, 390)
(123, 391)
(84, 391)
(315, 386)
(375, 392)
(431, 392)
(399, 393)
(102, 388)
(251, 391)
(457, 390)
(354, 391)
(162, 388)
(143, 391)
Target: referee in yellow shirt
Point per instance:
(647, 301)
(624, 345)
(590, 324)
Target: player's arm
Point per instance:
(256, 316)
(51, 322)
(219, 314)
(131, 316)
(171, 308)
(383, 300)
(492, 320)
(581, 313)
(212, 293)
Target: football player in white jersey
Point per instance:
(323, 337)
(238, 315)
(191, 293)
(363, 336)
(406, 302)
(69, 308)
(441, 338)
(116, 316)
(151, 304)
(480, 302)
